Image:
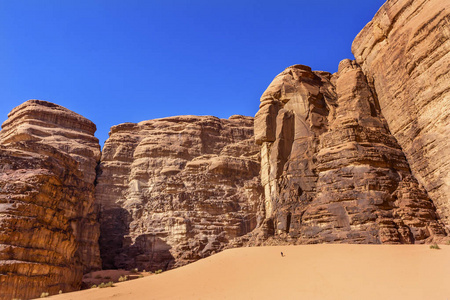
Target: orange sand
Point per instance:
(306, 272)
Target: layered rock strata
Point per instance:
(177, 189)
(405, 53)
(52, 124)
(48, 222)
(351, 157)
(331, 170)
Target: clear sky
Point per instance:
(133, 60)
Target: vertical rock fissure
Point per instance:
(409, 78)
(343, 159)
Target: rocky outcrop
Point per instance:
(359, 156)
(54, 125)
(405, 54)
(48, 222)
(177, 189)
(293, 110)
(331, 170)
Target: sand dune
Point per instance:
(306, 272)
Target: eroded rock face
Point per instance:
(293, 111)
(351, 157)
(52, 124)
(48, 222)
(177, 189)
(331, 170)
(405, 53)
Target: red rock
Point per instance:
(332, 172)
(404, 52)
(360, 156)
(48, 221)
(177, 189)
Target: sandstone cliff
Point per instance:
(48, 222)
(405, 53)
(359, 156)
(331, 170)
(177, 189)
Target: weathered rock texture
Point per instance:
(360, 156)
(54, 125)
(48, 223)
(331, 170)
(177, 189)
(405, 53)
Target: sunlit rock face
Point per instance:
(293, 111)
(52, 124)
(48, 222)
(330, 168)
(177, 189)
(359, 156)
(405, 54)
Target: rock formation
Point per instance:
(359, 156)
(177, 189)
(405, 53)
(48, 222)
(331, 170)
(54, 125)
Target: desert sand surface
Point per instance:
(305, 272)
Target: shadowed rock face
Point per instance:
(48, 223)
(177, 189)
(405, 53)
(330, 168)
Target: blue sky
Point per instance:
(128, 61)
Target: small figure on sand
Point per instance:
(282, 254)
